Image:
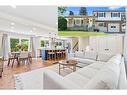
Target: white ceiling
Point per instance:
(45, 15)
(29, 20)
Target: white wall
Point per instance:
(83, 43)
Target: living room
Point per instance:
(34, 55)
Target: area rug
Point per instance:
(34, 79)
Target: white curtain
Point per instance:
(32, 46)
(1, 44)
(5, 46)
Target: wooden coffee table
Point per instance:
(71, 64)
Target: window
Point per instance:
(13, 44)
(113, 26)
(115, 14)
(24, 44)
(101, 14)
(44, 43)
(77, 21)
(103, 24)
(81, 21)
(19, 44)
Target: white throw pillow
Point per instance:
(105, 79)
(104, 57)
(90, 55)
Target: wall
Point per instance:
(83, 43)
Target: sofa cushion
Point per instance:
(85, 61)
(87, 72)
(105, 79)
(90, 55)
(97, 65)
(79, 54)
(52, 80)
(77, 79)
(104, 57)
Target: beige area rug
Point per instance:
(34, 79)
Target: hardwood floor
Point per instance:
(7, 79)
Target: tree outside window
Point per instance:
(13, 44)
(24, 44)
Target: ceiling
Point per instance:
(45, 15)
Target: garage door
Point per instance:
(113, 27)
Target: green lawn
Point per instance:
(80, 33)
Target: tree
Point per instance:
(62, 23)
(71, 13)
(61, 10)
(83, 11)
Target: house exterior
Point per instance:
(103, 21)
(86, 23)
(110, 21)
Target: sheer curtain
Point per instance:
(1, 44)
(5, 46)
(32, 46)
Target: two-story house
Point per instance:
(110, 21)
(80, 22)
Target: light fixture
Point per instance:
(12, 23)
(13, 6)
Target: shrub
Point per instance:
(62, 24)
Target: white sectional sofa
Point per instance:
(99, 75)
(90, 57)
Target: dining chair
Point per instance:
(1, 66)
(23, 57)
(30, 57)
(11, 58)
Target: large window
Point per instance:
(19, 44)
(24, 44)
(13, 44)
(101, 14)
(44, 43)
(115, 14)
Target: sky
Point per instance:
(91, 9)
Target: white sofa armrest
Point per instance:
(51, 80)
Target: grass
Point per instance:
(80, 33)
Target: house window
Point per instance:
(77, 21)
(102, 24)
(115, 14)
(101, 15)
(113, 26)
(81, 21)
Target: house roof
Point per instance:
(79, 16)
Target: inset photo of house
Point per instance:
(91, 20)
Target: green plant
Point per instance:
(62, 24)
